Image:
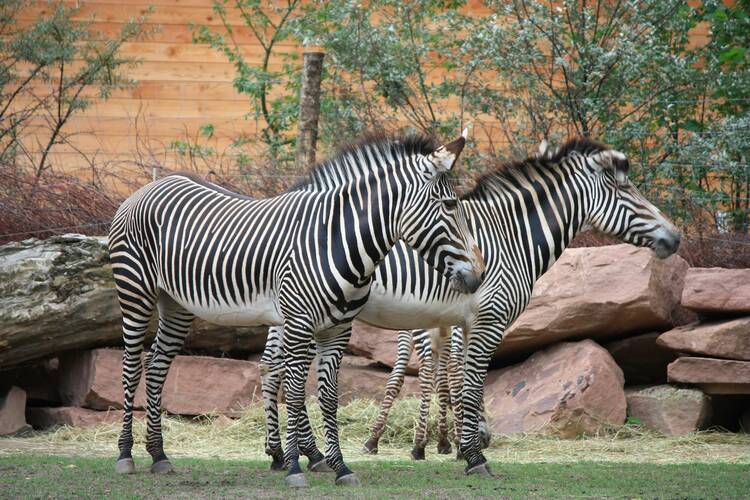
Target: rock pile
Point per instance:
(610, 333)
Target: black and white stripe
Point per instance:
(523, 216)
(304, 259)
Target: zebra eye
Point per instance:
(450, 204)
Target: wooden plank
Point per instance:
(200, 53)
(165, 128)
(162, 14)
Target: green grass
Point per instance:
(36, 476)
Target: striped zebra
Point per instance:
(304, 259)
(446, 346)
(523, 215)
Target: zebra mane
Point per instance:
(345, 164)
(580, 145)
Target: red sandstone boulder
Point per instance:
(722, 339)
(46, 418)
(668, 409)
(569, 389)
(195, 384)
(642, 361)
(713, 376)
(379, 345)
(600, 293)
(359, 380)
(12, 412)
(717, 290)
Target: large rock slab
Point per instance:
(58, 295)
(50, 417)
(721, 339)
(12, 412)
(195, 384)
(717, 290)
(669, 410)
(379, 345)
(601, 293)
(358, 379)
(569, 389)
(713, 376)
(642, 361)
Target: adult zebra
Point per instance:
(304, 258)
(523, 215)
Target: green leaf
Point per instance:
(735, 55)
(692, 126)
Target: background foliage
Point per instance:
(626, 72)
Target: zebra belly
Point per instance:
(409, 312)
(261, 311)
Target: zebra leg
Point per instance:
(426, 383)
(443, 392)
(316, 461)
(330, 352)
(485, 435)
(136, 314)
(297, 358)
(272, 374)
(455, 383)
(174, 324)
(482, 343)
(392, 388)
(271, 378)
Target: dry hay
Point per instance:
(212, 436)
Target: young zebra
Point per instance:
(444, 379)
(304, 259)
(523, 215)
(434, 349)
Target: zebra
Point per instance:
(303, 259)
(523, 215)
(441, 345)
(436, 352)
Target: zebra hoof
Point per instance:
(417, 453)
(297, 480)
(348, 480)
(125, 466)
(444, 448)
(162, 467)
(319, 466)
(278, 465)
(480, 470)
(370, 447)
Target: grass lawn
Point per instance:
(36, 476)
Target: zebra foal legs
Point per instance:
(392, 388)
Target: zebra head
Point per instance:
(434, 222)
(619, 209)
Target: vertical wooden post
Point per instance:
(309, 107)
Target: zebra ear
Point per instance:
(543, 149)
(446, 155)
(614, 161)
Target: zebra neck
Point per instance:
(539, 209)
(360, 226)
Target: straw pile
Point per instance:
(219, 437)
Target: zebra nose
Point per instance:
(671, 244)
(666, 246)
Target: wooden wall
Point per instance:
(181, 86)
